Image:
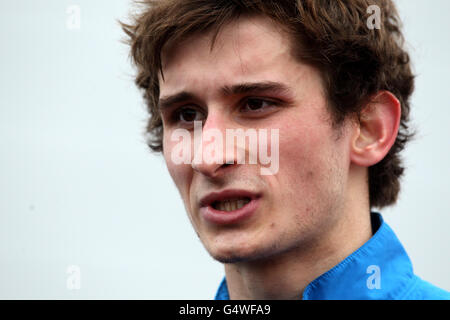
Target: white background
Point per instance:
(78, 185)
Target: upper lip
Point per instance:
(226, 194)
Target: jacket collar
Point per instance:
(379, 269)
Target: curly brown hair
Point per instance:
(355, 61)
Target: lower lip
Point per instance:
(229, 217)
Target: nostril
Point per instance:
(229, 163)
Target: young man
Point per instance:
(331, 80)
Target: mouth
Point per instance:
(229, 206)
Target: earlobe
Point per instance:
(377, 129)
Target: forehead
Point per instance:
(245, 50)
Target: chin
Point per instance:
(230, 258)
(236, 255)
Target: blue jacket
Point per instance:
(380, 269)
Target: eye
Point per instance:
(188, 115)
(257, 105)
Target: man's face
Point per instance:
(304, 200)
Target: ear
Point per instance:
(377, 129)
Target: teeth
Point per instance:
(230, 205)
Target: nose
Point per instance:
(211, 170)
(210, 150)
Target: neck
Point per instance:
(286, 275)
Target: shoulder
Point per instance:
(423, 290)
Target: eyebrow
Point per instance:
(168, 101)
(251, 87)
(237, 89)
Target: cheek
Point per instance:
(181, 173)
(300, 147)
(307, 159)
